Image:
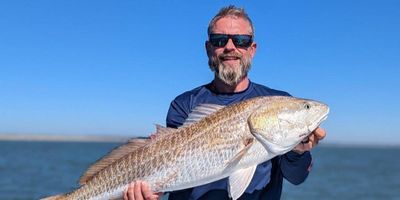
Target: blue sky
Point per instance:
(113, 67)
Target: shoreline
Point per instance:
(63, 138)
(124, 138)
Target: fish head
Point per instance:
(283, 122)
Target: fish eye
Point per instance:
(307, 106)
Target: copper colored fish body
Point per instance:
(215, 142)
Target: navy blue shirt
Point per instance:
(268, 178)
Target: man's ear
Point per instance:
(208, 47)
(253, 49)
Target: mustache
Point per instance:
(231, 54)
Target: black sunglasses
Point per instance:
(240, 41)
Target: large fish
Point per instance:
(215, 142)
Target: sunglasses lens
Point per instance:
(242, 40)
(220, 40)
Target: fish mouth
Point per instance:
(325, 116)
(321, 119)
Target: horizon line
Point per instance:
(124, 138)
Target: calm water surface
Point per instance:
(31, 170)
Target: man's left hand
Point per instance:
(310, 142)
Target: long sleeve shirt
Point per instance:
(268, 178)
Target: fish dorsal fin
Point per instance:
(112, 156)
(201, 111)
(239, 181)
(121, 151)
(162, 131)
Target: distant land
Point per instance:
(125, 138)
(67, 138)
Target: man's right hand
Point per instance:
(140, 190)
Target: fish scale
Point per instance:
(209, 148)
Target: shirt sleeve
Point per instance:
(177, 113)
(296, 167)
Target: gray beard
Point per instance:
(230, 75)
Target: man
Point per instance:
(230, 49)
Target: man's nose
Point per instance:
(229, 45)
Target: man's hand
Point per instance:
(140, 190)
(310, 142)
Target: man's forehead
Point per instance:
(232, 25)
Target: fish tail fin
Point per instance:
(56, 197)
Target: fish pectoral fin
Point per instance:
(271, 148)
(239, 181)
(235, 160)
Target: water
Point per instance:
(350, 173)
(30, 170)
